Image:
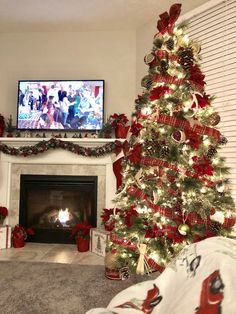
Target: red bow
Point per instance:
(167, 20)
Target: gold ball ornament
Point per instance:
(184, 229)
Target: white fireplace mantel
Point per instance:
(85, 142)
(57, 159)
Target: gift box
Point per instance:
(98, 241)
(5, 237)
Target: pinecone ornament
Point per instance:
(170, 44)
(214, 119)
(163, 66)
(223, 140)
(157, 42)
(164, 151)
(147, 81)
(124, 273)
(215, 226)
(186, 57)
(151, 148)
(211, 152)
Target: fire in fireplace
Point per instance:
(52, 205)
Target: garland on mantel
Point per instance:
(53, 143)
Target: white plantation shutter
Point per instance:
(215, 29)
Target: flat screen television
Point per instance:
(76, 105)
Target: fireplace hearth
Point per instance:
(53, 204)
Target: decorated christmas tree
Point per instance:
(174, 189)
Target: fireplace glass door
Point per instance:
(52, 205)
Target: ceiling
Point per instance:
(82, 15)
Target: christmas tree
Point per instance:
(174, 191)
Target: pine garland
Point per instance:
(43, 146)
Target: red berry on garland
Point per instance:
(178, 136)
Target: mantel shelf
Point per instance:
(27, 141)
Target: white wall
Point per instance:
(85, 55)
(144, 43)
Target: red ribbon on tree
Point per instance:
(185, 124)
(167, 20)
(150, 161)
(168, 79)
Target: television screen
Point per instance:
(60, 105)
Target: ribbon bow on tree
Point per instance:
(167, 20)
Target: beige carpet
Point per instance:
(48, 288)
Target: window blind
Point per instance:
(215, 29)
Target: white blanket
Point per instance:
(201, 280)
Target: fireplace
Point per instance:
(52, 204)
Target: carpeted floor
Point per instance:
(48, 288)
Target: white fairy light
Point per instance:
(186, 39)
(206, 142)
(203, 190)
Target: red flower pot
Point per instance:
(82, 244)
(121, 131)
(18, 242)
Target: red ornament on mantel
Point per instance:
(82, 244)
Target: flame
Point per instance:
(64, 215)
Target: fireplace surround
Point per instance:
(52, 204)
(55, 162)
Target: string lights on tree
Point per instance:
(174, 191)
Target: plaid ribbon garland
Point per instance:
(150, 161)
(184, 124)
(164, 211)
(168, 79)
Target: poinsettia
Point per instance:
(192, 139)
(158, 92)
(196, 75)
(116, 119)
(3, 211)
(202, 101)
(107, 212)
(136, 128)
(135, 154)
(82, 230)
(202, 166)
(19, 232)
(129, 216)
